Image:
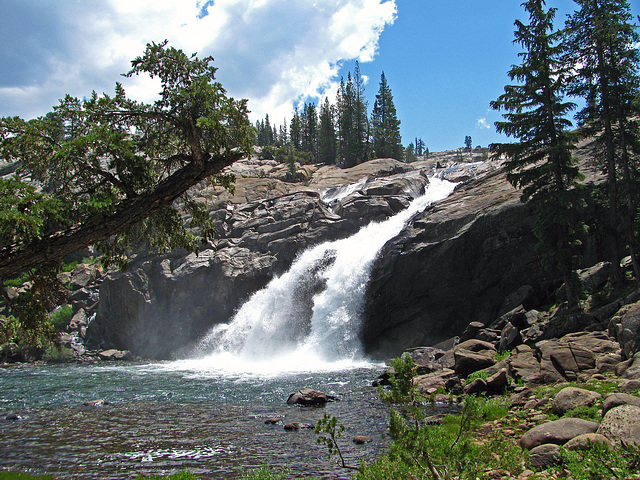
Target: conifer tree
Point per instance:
(347, 138)
(603, 52)
(385, 126)
(326, 134)
(309, 121)
(540, 161)
(295, 131)
(361, 127)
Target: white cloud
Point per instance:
(274, 52)
(483, 123)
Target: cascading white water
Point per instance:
(308, 319)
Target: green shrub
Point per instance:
(266, 473)
(6, 475)
(57, 354)
(599, 461)
(61, 317)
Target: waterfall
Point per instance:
(308, 318)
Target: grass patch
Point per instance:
(8, 475)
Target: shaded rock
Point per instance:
(477, 385)
(596, 277)
(361, 439)
(608, 363)
(453, 385)
(471, 331)
(13, 417)
(272, 421)
(632, 371)
(468, 361)
(525, 365)
(509, 337)
(583, 442)
(297, 426)
(570, 398)
(616, 399)
(84, 275)
(309, 397)
(498, 381)
(558, 432)
(625, 327)
(545, 455)
(630, 385)
(475, 345)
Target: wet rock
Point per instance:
(571, 397)
(616, 399)
(309, 397)
(272, 421)
(115, 355)
(297, 426)
(558, 432)
(361, 440)
(95, 403)
(621, 425)
(13, 417)
(545, 455)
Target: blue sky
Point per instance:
(444, 60)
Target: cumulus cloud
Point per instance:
(274, 52)
(483, 123)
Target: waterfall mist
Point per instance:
(308, 319)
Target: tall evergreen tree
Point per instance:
(385, 126)
(603, 52)
(347, 139)
(540, 162)
(326, 134)
(361, 119)
(309, 121)
(295, 131)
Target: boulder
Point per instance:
(468, 361)
(621, 425)
(476, 386)
(595, 277)
(436, 380)
(632, 371)
(524, 365)
(113, 354)
(292, 426)
(625, 327)
(544, 456)
(498, 381)
(570, 398)
(309, 397)
(558, 432)
(616, 399)
(583, 442)
(361, 439)
(509, 337)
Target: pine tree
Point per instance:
(361, 127)
(603, 53)
(326, 134)
(385, 126)
(347, 138)
(540, 162)
(295, 131)
(309, 121)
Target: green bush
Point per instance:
(61, 317)
(184, 475)
(599, 461)
(266, 473)
(7, 475)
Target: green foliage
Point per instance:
(55, 354)
(478, 374)
(266, 473)
(402, 387)
(8, 475)
(61, 317)
(599, 461)
(385, 126)
(329, 425)
(501, 355)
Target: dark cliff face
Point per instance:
(464, 259)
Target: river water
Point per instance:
(207, 413)
(163, 418)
